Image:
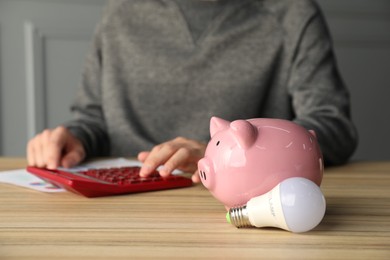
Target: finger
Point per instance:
(39, 146)
(30, 153)
(142, 156)
(175, 161)
(72, 158)
(158, 156)
(74, 152)
(195, 177)
(55, 145)
(188, 166)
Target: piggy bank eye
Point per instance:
(217, 143)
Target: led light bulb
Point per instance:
(296, 204)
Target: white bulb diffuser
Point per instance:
(296, 204)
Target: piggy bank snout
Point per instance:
(206, 173)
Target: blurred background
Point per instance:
(43, 44)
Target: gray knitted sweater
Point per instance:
(147, 79)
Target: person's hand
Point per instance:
(179, 153)
(53, 148)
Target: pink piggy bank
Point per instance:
(247, 158)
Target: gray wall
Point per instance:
(42, 49)
(43, 45)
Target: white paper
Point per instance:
(25, 179)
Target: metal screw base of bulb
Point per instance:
(239, 217)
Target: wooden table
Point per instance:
(190, 223)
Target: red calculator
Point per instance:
(109, 181)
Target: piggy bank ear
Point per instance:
(217, 124)
(244, 133)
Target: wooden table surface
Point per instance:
(190, 224)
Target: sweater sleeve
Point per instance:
(88, 123)
(319, 97)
